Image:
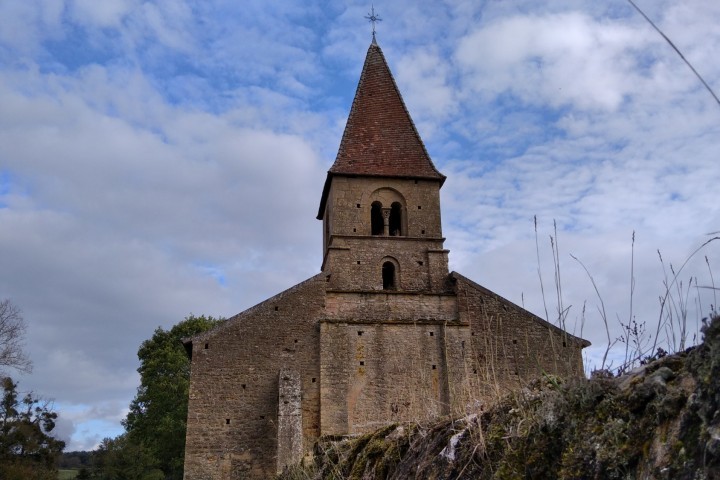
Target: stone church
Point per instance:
(384, 333)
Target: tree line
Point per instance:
(28, 451)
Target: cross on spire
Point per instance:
(373, 18)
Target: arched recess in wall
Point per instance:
(376, 219)
(390, 274)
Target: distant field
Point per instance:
(67, 474)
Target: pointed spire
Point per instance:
(380, 138)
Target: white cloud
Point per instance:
(168, 22)
(558, 59)
(423, 80)
(83, 426)
(25, 24)
(108, 13)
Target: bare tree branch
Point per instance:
(12, 336)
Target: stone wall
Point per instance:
(375, 307)
(383, 359)
(350, 200)
(375, 374)
(290, 430)
(355, 256)
(356, 360)
(356, 263)
(233, 405)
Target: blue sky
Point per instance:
(161, 158)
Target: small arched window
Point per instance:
(388, 276)
(396, 219)
(376, 219)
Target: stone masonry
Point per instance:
(385, 333)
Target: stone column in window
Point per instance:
(386, 221)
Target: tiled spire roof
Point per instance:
(380, 138)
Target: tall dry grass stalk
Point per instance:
(671, 327)
(714, 306)
(601, 311)
(542, 285)
(673, 307)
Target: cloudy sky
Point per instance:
(166, 157)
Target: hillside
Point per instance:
(660, 421)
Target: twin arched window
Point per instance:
(385, 221)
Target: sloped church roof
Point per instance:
(380, 138)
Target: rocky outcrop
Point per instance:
(659, 421)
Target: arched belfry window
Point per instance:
(376, 219)
(387, 213)
(396, 219)
(388, 276)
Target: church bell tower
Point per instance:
(380, 205)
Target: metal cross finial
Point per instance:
(373, 18)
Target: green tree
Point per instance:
(119, 459)
(83, 474)
(158, 414)
(27, 451)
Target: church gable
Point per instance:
(384, 334)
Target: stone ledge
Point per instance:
(420, 321)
